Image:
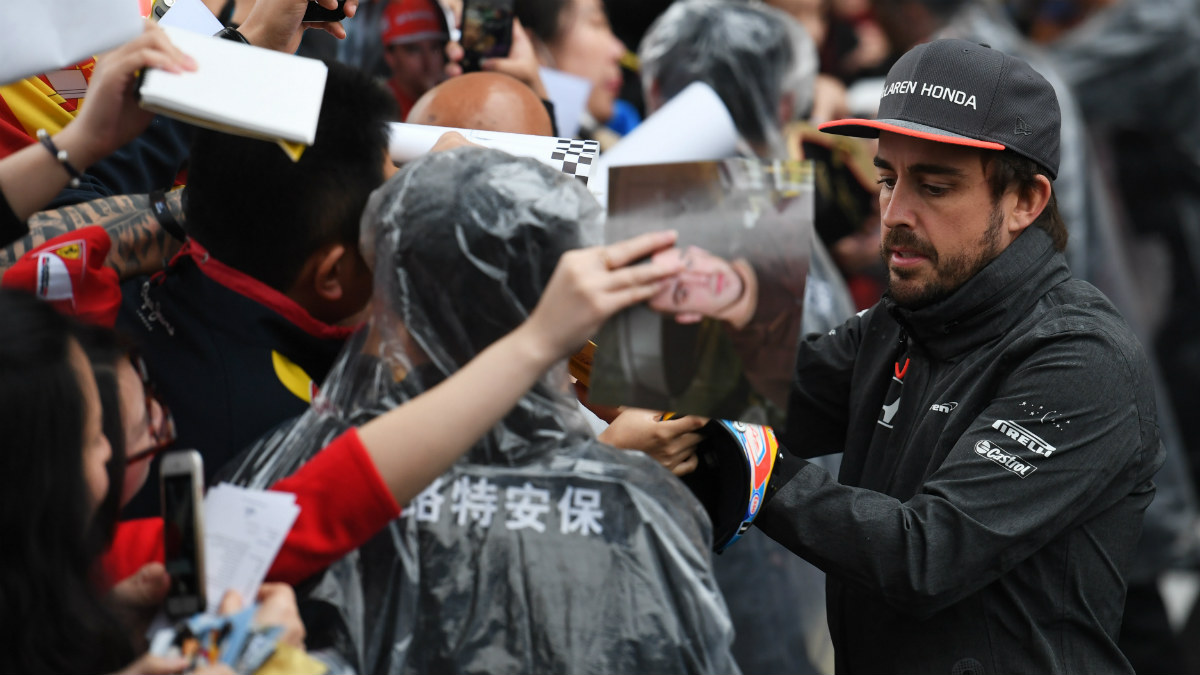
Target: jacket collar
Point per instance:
(256, 291)
(990, 303)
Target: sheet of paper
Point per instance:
(239, 89)
(694, 126)
(243, 532)
(569, 94)
(573, 157)
(192, 15)
(49, 34)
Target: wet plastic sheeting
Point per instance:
(754, 56)
(542, 551)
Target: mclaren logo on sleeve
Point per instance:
(1011, 462)
(888, 412)
(1023, 436)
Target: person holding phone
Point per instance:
(50, 403)
(573, 36)
(53, 616)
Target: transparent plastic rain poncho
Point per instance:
(542, 550)
(754, 56)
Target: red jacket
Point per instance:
(343, 502)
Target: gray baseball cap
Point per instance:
(959, 92)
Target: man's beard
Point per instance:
(949, 274)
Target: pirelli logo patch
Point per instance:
(1008, 461)
(1024, 436)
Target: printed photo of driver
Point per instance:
(719, 337)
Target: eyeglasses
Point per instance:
(162, 425)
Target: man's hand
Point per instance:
(589, 285)
(671, 443)
(278, 25)
(451, 140)
(111, 117)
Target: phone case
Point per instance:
(486, 31)
(183, 531)
(315, 12)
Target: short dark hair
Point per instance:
(1006, 170)
(545, 19)
(257, 211)
(47, 584)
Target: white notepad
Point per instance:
(239, 89)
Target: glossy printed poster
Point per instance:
(720, 338)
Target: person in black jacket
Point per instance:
(255, 307)
(996, 415)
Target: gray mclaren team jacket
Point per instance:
(999, 448)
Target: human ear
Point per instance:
(327, 278)
(1030, 202)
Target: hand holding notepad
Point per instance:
(240, 89)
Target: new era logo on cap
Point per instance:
(954, 91)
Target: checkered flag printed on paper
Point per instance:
(576, 157)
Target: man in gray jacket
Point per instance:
(996, 415)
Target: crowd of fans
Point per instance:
(386, 342)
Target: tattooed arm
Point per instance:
(139, 243)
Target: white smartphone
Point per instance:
(159, 8)
(182, 485)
